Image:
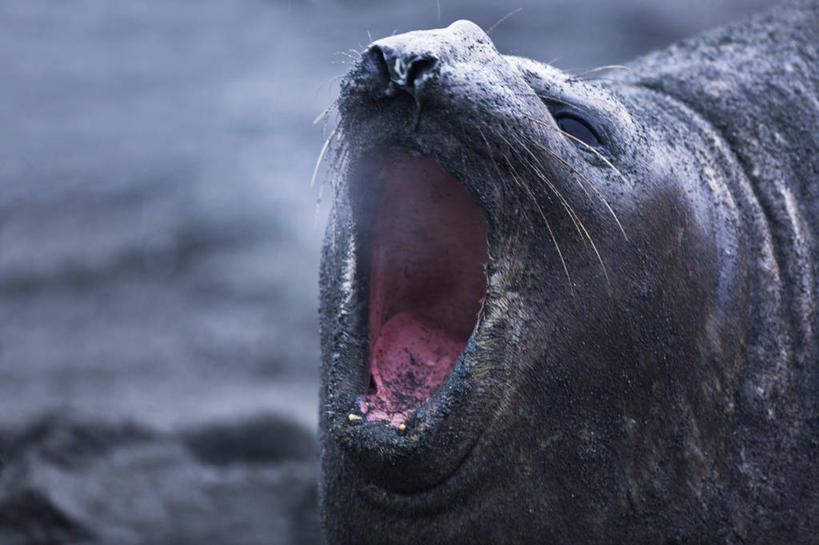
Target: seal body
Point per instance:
(635, 359)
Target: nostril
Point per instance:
(375, 65)
(395, 70)
(419, 68)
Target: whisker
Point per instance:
(501, 176)
(602, 68)
(321, 156)
(562, 101)
(585, 145)
(490, 154)
(337, 167)
(578, 223)
(502, 19)
(325, 112)
(545, 221)
(342, 154)
(577, 174)
(540, 174)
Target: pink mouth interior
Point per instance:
(427, 283)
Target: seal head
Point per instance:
(532, 286)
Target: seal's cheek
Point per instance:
(427, 282)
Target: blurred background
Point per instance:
(159, 246)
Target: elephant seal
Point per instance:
(563, 311)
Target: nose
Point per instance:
(399, 69)
(414, 63)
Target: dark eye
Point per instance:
(578, 128)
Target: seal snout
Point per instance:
(399, 69)
(408, 63)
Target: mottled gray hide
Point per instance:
(663, 392)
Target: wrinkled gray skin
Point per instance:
(672, 399)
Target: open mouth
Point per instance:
(427, 253)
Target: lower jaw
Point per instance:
(428, 353)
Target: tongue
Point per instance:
(411, 357)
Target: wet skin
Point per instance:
(609, 333)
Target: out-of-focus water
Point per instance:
(158, 235)
(159, 240)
